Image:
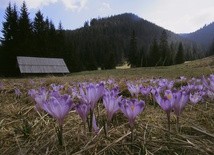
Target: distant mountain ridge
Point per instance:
(144, 28)
(203, 36)
(102, 39)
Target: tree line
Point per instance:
(108, 42)
(101, 43)
(25, 37)
(160, 53)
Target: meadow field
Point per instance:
(25, 130)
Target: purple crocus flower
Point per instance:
(32, 82)
(58, 107)
(40, 97)
(32, 92)
(209, 83)
(145, 90)
(165, 84)
(133, 89)
(83, 109)
(210, 94)
(17, 92)
(92, 94)
(131, 108)
(166, 102)
(183, 78)
(181, 99)
(111, 103)
(74, 92)
(56, 87)
(195, 98)
(111, 81)
(1, 85)
(115, 90)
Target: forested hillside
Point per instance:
(204, 36)
(101, 43)
(109, 41)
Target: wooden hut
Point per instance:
(36, 65)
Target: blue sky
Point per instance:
(180, 16)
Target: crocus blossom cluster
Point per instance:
(57, 105)
(85, 97)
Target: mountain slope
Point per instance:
(124, 24)
(202, 36)
(107, 39)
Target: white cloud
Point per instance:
(105, 7)
(74, 5)
(181, 15)
(31, 4)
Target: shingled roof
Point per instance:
(41, 65)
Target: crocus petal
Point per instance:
(82, 109)
(94, 124)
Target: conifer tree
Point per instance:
(141, 58)
(39, 24)
(60, 39)
(10, 26)
(25, 31)
(9, 41)
(132, 55)
(179, 58)
(164, 49)
(51, 41)
(211, 49)
(155, 55)
(39, 34)
(172, 52)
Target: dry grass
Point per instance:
(24, 131)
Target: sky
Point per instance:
(179, 16)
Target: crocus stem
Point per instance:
(106, 128)
(132, 135)
(132, 139)
(88, 122)
(98, 112)
(59, 135)
(177, 124)
(84, 129)
(91, 120)
(168, 120)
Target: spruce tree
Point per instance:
(141, 58)
(39, 34)
(132, 55)
(39, 24)
(25, 31)
(155, 55)
(164, 49)
(172, 52)
(51, 40)
(7, 27)
(60, 40)
(179, 58)
(211, 49)
(9, 41)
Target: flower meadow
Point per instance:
(112, 116)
